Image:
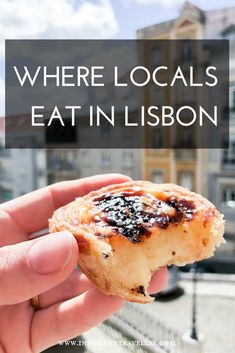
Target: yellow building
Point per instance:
(181, 166)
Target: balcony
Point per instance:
(61, 169)
(185, 155)
(62, 165)
(61, 161)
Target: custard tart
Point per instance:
(125, 232)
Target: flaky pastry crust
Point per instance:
(125, 232)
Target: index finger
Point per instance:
(31, 211)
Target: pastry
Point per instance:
(126, 232)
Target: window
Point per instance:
(228, 194)
(157, 55)
(61, 160)
(157, 176)
(105, 160)
(229, 154)
(185, 137)
(186, 50)
(232, 98)
(183, 94)
(128, 159)
(101, 95)
(186, 179)
(157, 138)
(157, 95)
(5, 174)
(123, 93)
(86, 158)
(105, 130)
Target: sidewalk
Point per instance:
(216, 314)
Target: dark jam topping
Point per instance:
(132, 216)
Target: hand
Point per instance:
(46, 266)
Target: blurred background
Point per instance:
(204, 301)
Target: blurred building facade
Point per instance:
(68, 164)
(181, 166)
(24, 170)
(64, 164)
(21, 170)
(221, 183)
(209, 172)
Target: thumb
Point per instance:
(32, 267)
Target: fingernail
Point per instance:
(51, 253)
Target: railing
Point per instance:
(154, 336)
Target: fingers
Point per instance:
(25, 209)
(71, 318)
(159, 280)
(76, 284)
(32, 267)
(9, 230)
(65, 192)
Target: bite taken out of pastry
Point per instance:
(126, 232)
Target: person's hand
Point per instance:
(69, 303)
